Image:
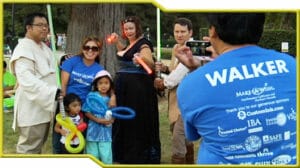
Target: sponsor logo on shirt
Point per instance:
(279, 120)
(267, 139)
(224, 133)
(253, 143)
(292, 115)
(288, 146)
(233, 147)
(254, 125)
(256, 91)
(282, 159)
(265, 152)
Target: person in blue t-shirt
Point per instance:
(243, 103)
(78, 72)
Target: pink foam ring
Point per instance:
(144, 65)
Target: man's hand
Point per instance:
(159, 84)
(185, 56)
(210, 48)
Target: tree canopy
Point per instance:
(61, 13)
(62, 17)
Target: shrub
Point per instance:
(272, 39)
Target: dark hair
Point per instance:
(94, 84)
(184, 22)
(30, 18)
(98, 42)
(238, 28)
(64, 57)
(70, 98)
(137, 23)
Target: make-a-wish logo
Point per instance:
(256, 91)
(260, 90)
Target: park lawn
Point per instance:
(10, 138)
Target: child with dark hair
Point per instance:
(98, 136)
(72, 104)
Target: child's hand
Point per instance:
(105, 121)
(111, 121)
(63, 132)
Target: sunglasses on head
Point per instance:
(88, 48)
(128, 20)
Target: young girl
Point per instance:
(98, 137)
(72, 105)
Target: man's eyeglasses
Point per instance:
(41, 25)
(88, 48)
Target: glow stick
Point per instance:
(158, 73)
(158, 33)
(110, 38)
(144, 65)
(61, 117)
(53, 42)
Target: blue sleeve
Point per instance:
(67, 65)
(188, 113)
(190, 131)
(85, 108)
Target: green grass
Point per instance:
(10, 138)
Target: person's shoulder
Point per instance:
(276, 53)
(24, 44)
(94, 94)
(70, 62)
(91, 93)
(98, 66)
(145, 41)
(74, 59)
(174, 46)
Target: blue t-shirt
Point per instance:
(81, 76)
(243, 105)
(98, 132)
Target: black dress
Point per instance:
(136, 141)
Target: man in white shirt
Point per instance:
(182, 149)
(34, 66)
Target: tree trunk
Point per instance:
(95, 20)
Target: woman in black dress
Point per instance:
(135, 141)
